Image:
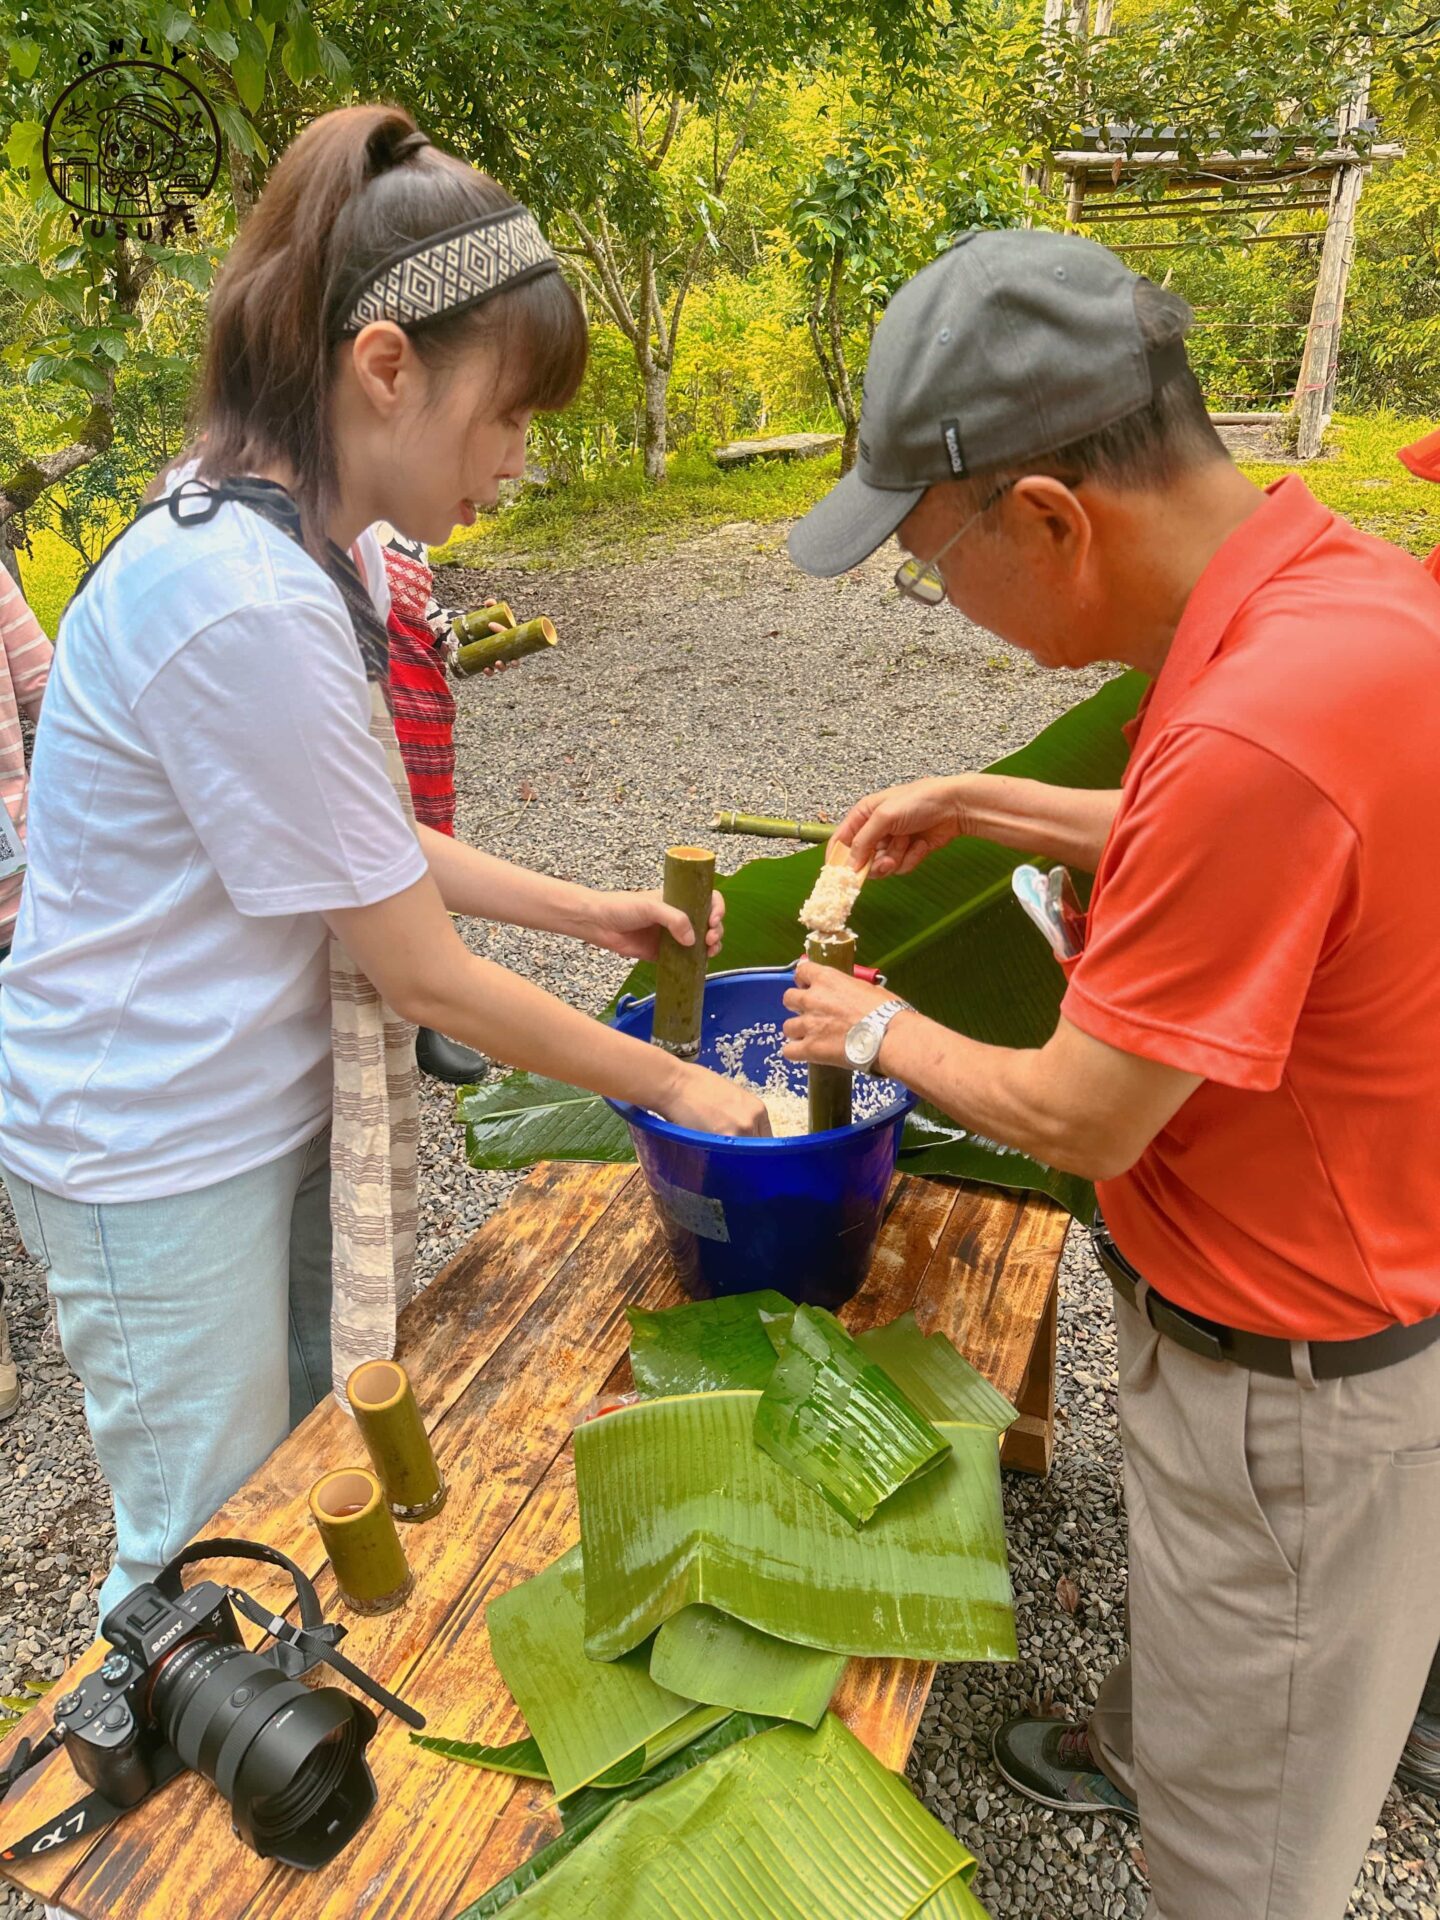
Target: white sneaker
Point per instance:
(9, 1378)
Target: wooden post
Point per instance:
(1315, 393)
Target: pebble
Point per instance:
(684, 683)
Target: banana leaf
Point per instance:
(717, 1344)
(708, 1656)
(524, 1118)
(935, 1376)
(837, 1420)
(522, 1757)
(679, 1506)
(602, 1800)
(584, 1811)
(790, 1825)
(605, 1723)
(953, 1901)
(707, 1344)
(949, 937)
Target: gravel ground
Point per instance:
(719, 676)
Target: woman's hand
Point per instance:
(496, 626)
(711, 1104)
(825, 1004)
(630, 923)
(894, 829)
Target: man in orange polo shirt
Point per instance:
(1247, 1060)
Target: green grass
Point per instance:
(616, 515)
(1362, 479)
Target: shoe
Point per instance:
(447, 1060)
(9, 1378)
(1050, 1761)
(1419, 1767)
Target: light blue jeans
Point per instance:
(200, 1329)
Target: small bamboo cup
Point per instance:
(371, 1571)
(383, 1401)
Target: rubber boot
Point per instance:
(445, 1059)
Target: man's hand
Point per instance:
(630, 923)
(894, 830)
(825, 1004)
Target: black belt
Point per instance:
(1329, 1359)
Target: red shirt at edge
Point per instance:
(1267, 914)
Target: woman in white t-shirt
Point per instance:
(214, 798)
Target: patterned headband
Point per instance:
(451, 271)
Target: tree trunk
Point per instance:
(657, 394)
(850, 446)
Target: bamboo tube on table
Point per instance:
(371, 1571)
(764, 827)
(383, 1402)
(680, 971)
(830, 1086)
(497, 648)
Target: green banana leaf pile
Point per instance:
(740, 1542)
(949, 938)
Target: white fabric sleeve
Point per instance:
(261, 722)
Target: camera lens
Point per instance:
(290, 1759)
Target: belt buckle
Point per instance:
(1180, 1328)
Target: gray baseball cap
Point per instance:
(1011, 344)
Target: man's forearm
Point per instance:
(479, 884)
(1001, 1093)
(1068, 824)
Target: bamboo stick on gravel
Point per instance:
(680, 971)
(764, 827)
(830, 1086)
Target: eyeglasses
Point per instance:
(922, 580)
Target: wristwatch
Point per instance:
(862, 1042)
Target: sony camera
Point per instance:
(181, 1689)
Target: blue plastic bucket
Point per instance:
(800, 1215)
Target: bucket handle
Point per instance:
(629, 1000)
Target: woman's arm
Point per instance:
(487, 888)
(408, 948)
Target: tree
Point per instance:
(85, 297)
(647, 106)
(913, 166)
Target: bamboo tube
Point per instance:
(680, 971)
(383, 1402)
(476, 624)
(371, 1571)
(764, 827)
(476, 655)
(830, 1086)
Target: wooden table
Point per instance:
(507, 1350)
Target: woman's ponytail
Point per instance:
(358, 185)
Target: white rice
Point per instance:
(827, 911)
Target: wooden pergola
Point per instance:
(1125, 174)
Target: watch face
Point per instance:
(861, 1044)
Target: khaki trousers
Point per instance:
(1284, 1611)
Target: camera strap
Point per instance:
(297, 1649)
